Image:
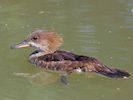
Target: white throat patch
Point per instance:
(36, 55)
(38, 46)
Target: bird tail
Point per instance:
(110, 72)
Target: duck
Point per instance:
(47, 55)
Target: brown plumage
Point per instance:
(49, 57)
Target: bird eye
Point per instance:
(35, 38)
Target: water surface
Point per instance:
(100, 28)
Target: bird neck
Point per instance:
(38, 53)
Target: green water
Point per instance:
(100, 28)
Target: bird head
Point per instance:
(41, 40)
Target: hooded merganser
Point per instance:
(49, 57)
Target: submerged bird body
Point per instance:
(48, 56)
(69, 62)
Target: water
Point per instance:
(101, 28)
